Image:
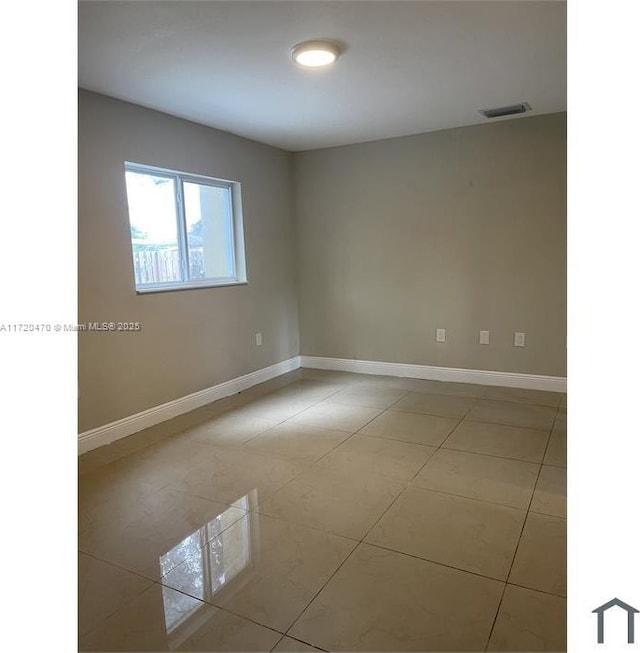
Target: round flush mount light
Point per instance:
(315, 54)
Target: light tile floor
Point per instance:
(331, 511)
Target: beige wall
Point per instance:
(463, 229)
(190, 339)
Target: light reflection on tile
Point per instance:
(377, 456)
(198, 540)
(344, 504)
(297, 441)
(223, 475)
(148, 528)
(183, 505)
(228, 430)
(162, 619)
(240, 568)
(373, 395)
(343, 417)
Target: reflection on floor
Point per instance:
(331, 511)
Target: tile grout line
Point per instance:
(210, 417)
(223, 609)
(358, 543)
(362, 540)
(515, 553)
(440, 446)
(313, 598)
(479, 421)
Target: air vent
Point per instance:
(511, 110)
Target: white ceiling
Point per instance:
(407, 67)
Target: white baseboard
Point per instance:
(453, 374)
(128, 425)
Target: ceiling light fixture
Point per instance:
(315, 54)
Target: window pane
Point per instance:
(208, 213)
(154, 228)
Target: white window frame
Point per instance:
(237, 231)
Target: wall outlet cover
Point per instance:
(441, 335)
(484, 337)
(518, 339)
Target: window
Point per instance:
(186, 230)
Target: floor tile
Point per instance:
(227, 475)
(261, 568)
(103, 589)
(540, 397)
(273, 408)
(162, 619)
(557, 450)
(372, 395)
(550, 496)
(154, 466)
(464, 533)
(147, 537)
(297, 441)
(92, 460)
(508, 482)
(147, 437)
(446, 388)
(409, 427)
(513, 413)
(290, 645)
(368, 455)
(228, 430)
(560, 423)
(385, 601)
(541, 560)
(498, 440)
(307, 390)
(530, 621)
(383, 381)
(330, 376)
(113, 484)
(344, 504)
(434, 404)
(254, 508)
(342, 417)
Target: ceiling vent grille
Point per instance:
(511, 110)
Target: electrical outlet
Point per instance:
(258, 339)
(441, 335)
(518, 339)
(484, 337)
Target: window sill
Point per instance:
(188, 286)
